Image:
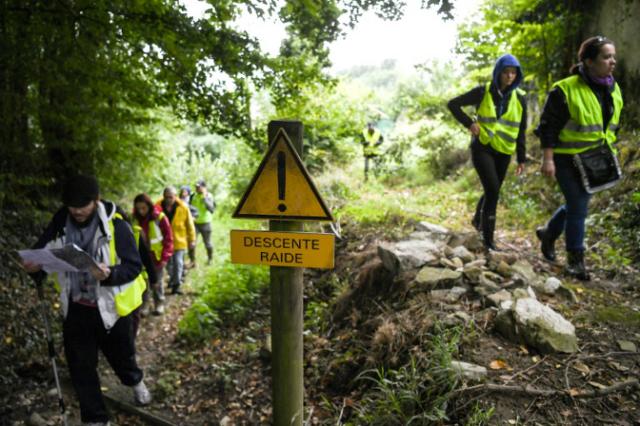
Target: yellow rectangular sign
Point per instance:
(293, 249)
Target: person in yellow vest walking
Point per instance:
(184, 235)
(96, 305)
(496, 134)
(581, 114)
(203, 202)
(371, 141)
(158, 237)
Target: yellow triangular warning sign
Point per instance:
(281, 188)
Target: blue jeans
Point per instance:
(175, 268)
(570, 217)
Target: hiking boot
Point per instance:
(547, 244)
(176, 291)
(141, 394)
(488, 229)
(575, 265)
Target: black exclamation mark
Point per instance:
(282, 168)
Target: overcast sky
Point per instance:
(419, 36)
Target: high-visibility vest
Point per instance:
(130, 298)
(113, 301)
(371, 139)
(583, 131)
(156, 237)
(204, 215)
(501, 133)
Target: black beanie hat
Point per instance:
(80, 190)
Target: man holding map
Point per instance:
(97, 302)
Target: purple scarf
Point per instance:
(606, 81)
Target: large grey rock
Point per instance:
(447, 263)
(524, 270)
(448, 295)
(468, 370)
(485, 280)
(543, 328)
(472, 272)
(504, 269)
(463, 253)
(471, 240)
(407, 255)
(496, 257)
(549, 287)
(429, 277)
(431, 228)
(497, 298)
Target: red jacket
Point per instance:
(167, 234)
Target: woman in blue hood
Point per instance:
(497, 132)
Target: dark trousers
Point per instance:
(491, 167)
(571, 216)
(84, 334)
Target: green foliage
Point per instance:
(479, 416)
(538, 33)
(228, 297)
(333, 120)
(418, 392)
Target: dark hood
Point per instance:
(504, 61)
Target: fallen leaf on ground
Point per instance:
(498, 364)
(581, 367)
(597, 385)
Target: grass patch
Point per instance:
(617, 315)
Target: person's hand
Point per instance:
(192, 245)
(101, 273)
(30, 267)
(474, 129)
(548, 168)
(519, 169)
(161, 265)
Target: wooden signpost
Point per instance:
(283, 192)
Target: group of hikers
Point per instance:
(577, 131)
(100, 306)
(169, 229)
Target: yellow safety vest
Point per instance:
(129, 299)
(501, 133)
(583, 131)
(113, 301)
(155, 236)
(371, 139)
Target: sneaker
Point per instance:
(141, 394)
(159, 309)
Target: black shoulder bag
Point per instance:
(599, 168)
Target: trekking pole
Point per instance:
(52, 350)
(51, 347)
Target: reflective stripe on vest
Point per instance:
(501, 133)
(155, 236)
(130, 298)
(371, 139)
(583, 131)
(204, 215)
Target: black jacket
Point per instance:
(474, 97)
(130, 264)
(555, 113)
